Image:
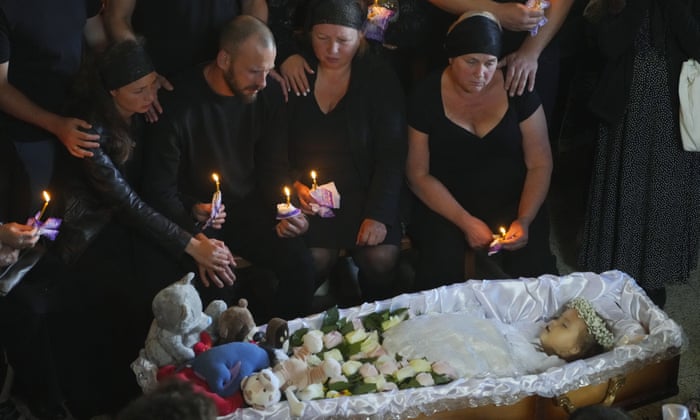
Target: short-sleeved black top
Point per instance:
(485, 175)
(182, 33)
(43, 42)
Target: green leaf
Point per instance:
(410, 383)
(345, 326)
(331, 317)
(348, 349)
(339, 386)
(296, 339)
(441, 379)
(363, 388)
(373, 322)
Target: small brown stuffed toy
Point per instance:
(236, 323)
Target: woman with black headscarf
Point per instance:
(478, 160)
(350, 129)
(108, 235)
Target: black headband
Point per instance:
(124, 63)
(336, 12)
(474, 34)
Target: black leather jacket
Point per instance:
(94, 192)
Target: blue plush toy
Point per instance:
(225, 366)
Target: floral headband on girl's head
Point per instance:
(596, 324)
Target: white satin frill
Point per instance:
(644, 333)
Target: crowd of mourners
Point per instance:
(166, 133)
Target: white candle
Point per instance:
(313, 180)
(215, 177)
(47, 198)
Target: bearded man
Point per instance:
(222, 119)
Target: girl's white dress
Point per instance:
(473, 346)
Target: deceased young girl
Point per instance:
(479, 347)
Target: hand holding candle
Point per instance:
(216, 198)
(215, 203)
(49, 228)
(497, 243)
(538, 5)
(286, 210)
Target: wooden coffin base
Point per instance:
(648, 384)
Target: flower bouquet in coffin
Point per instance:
(366, 366)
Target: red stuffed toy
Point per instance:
(205, 343)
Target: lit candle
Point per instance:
(314, 185)
(287, 192)
(47, 198)
(503, 232)
(215, 177)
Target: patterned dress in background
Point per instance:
(644, 204)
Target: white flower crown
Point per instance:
(596, 325)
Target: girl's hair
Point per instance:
(589, 348)
(91, 101)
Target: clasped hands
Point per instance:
(214, 259)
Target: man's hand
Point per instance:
(18, 236)
(77, 142)
(292, 226)
(202, 211)
(517, 17)
(371, 233)
(521, 71)
(156, 109)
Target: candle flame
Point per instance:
(47, 198)
(313, 180)
(215, 177)
(287, 193)
(503, 232)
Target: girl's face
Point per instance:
(334, 45)
(136, 97)
(473, 72)
(564, 336)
